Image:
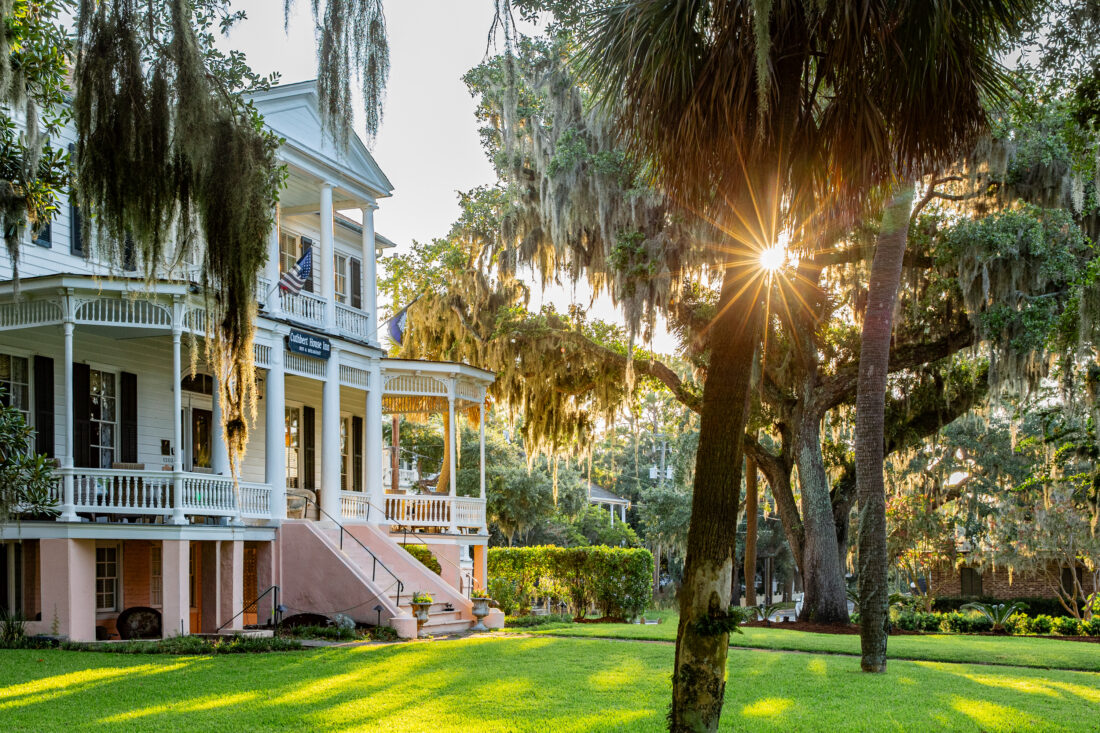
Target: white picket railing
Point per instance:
(107, 491)
(406, 477)
(435, 511)
(352, 322)
(354, 505)
(304, 307)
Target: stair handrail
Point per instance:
(377, 562)
(405, 532)
(273, 589)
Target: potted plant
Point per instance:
(421, 603)
(481, 600)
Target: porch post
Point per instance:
(370, 274)
(330, 437)
(453, 447)
(177, 420)
(481, 465)
(176, 597)
(376, 489)
(68, 512)
(328, 277)
(67, 574)
(219, 458)
(622, 513)
(275, 430)
(274, 303)
(231, 580)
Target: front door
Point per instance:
(198, 435)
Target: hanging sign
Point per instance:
(306, 344)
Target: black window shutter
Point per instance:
(43, 406)
(356, 453)
(355, 275)
(309, 456)
(44, 238)
(129, 254)
(76, 233)
(82, 417)
(128, 421)
(306, 244)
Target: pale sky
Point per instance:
(428, 144)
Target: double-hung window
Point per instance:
(340, 267)
(15, 383)
(106, 579)
(103, 416)
(293, 445)
(345, 451)
(156, 576)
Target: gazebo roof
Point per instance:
(600, 495)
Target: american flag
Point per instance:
(296, 277)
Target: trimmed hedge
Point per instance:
(619, 581)
(1032, 606)
(973, 622)
(425, 556)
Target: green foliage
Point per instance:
(26, 479)
(425, 556)
(1041, 624)
(421, 596)
(1067, 626)
(190, 645)
(331, 633)
(12, 628)
(527, 622)
(998, 613)
(618, 581)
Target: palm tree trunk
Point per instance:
(750, 532)
(874, 361)
(699, 676)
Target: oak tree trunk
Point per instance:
(699, 676)
(874, 362)
(750, 531)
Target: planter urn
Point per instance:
(420, 611)
(481, 610)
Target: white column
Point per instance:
(370, 274)
(328, 275)
(481, 465)
(622, 513)
(611, 511)
(330, 437)
(452, 433)
(275, 431)
(219, 458)
(177, 427)
(271, 270)
(373, 463)
(68, 513)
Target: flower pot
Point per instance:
(420, 611)
(481, 610)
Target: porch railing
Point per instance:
(304, 306)
(352, 322)
(436, 511)
(108, 491)
(354, 506)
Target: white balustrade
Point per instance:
(304, 306)
(352, 322)
(435, 511)
(354, 505)
(106, 491)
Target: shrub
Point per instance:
(190, 645)
(965, 623)
(618, 580)
(382, 633)
(529, 621)
(911, 620)
(1032, 606)
(331, 633)
(997, 613)
(1067, 626)
(1041, 624)
(1092, 626)
(425, 556)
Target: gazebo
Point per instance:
(600, 496)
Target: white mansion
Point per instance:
(100, 362)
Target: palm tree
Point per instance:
(769, 117)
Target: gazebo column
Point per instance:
(274, 303)
(481, 465)
(68, 511)
(177, 426)
(275, 430)
(324, 260)
(622, 513)
(330, 438)
(452, 443)
(376, 489)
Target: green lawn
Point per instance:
(1027, 651)
(509, 683)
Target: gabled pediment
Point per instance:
(291, 111)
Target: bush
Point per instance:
(330, 633)
(1092, 626)
(425, 556)
(190, 645)
(909, 620)
(1032, 606)
(1067, 626)
(530, 621)
(382, 633)
(965, 623)
(617, 580)
(1041, 624)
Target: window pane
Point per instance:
(19, 370)
(5, 368)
